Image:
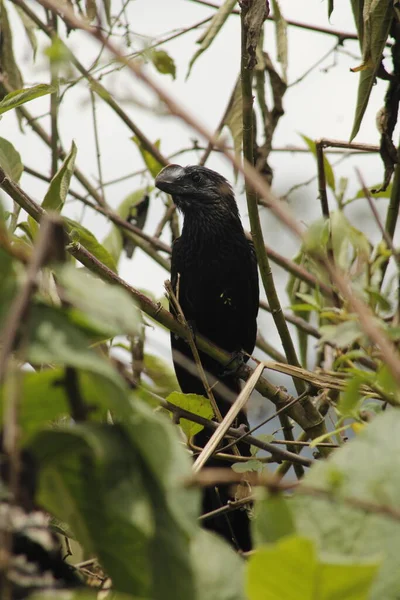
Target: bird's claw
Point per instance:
(233, 365)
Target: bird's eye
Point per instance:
(196, 178)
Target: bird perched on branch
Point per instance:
(214, 277)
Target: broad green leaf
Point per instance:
(9, 65)
(212, 30)
(162, 62)
(18, 97)
(281, 37)
(365, 468)
(219, 571)
(92, 479)
(151, 163)
(291, 570)
(43, 398)
(55, 340)
(10, 160)
(59, 185)
(373, 21)
(273, 518)
(286, 570)
(81, 235)
(108, 307)
(329, 174)
(162, 377)
(199, 405)
(135, 208)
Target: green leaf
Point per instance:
(135, 208)
(30, 28)
(329, 174)
(199, 405)
(273, 519)
(10, 160)
(317, 237)
(281, 37)
(373, 21)
(81, 235)
(330, 8)
(366, 468)
(54, 339)
(9, 65)
(350, 399)
(291, 570)
(121, 488)
(163, 62)
(341, 335)
(18, 97)
(107, 11)
(108, 307)
(212, 30)
(151, 163)
(219, 571)
(43, 398)
(252, 465)
(59, 185)
(8, 287)
(344, 237)
(91, 478)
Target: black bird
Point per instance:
(214, 275)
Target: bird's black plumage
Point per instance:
(214, 275)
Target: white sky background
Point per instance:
(322, 105)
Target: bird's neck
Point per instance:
(207, 228)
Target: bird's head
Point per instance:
(197, 189)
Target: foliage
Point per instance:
(89, 399)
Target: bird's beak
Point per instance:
(168, 178)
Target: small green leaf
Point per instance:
(281, 37)
(212, 30)
(329, 174)
(59, 185)
(163, 62)
(341, 335)
(317, 237)
(373, 21)
(350, 399)
(9, 66)
(30, 28)
(248, 466)
(199, 405)
(81, 235)
(18, 97)
(151, 163)
(330, 8)
(10, 160)
(135, 208)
